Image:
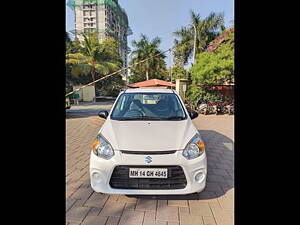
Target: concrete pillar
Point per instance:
(181, 87)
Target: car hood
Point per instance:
(148, 135)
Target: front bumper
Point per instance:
(190, 167)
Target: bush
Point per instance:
(197, 95)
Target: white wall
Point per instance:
(87, 94)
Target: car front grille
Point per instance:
(120, 179)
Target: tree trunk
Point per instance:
(147, 75)
(93, 77)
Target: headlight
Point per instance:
(194, 148)
(102, 148)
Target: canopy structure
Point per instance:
(152, 83)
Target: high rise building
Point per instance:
(107, 18)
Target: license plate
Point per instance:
(148, 173)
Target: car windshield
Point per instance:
(148, 106)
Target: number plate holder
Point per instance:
(148, 173)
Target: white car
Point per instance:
(148, 145)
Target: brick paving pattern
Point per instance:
(214, 206)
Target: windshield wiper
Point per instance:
(174, 118)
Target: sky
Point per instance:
(159, 18)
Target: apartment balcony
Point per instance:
(94, 27)
(88, 16)
(92, 8)
(93, 21)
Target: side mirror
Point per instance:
(103, 114)
(193, 114)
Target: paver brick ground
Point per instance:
(214, 206)
(146, 205)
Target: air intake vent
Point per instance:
(148, 152)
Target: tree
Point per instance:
(207, 29)
(152, 68)
(217, 66)
(91, 58)
(178, 72)
(94, 57)
(213, 67)
(68, 39)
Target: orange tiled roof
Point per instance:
(151, 83)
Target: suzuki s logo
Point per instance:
(148, 159)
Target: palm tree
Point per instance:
(93, 57)
(144, 48)
(207, 30)
(69, 43)
(68, 39)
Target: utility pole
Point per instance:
(195, 38)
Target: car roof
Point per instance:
(149, 90)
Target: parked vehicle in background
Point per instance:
(218, 109)
(227, 108)
(215, 107)
(231, 109)
(203, 108)
(212, 108)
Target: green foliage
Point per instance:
(152, 68)
(68, 39)
(207, 29)
(215, 67)
(178, 72)
(212, 68)
(93, 57)
(89, 60)
(68, 90)
(72, 46)
(110, 86)
(203, 94)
